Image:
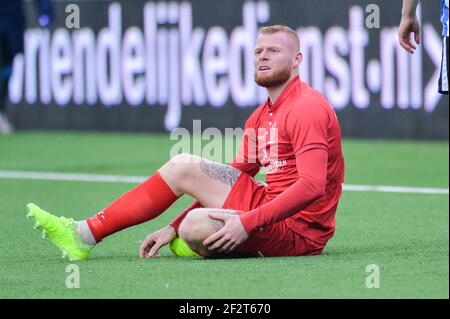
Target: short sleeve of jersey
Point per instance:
(307, 125)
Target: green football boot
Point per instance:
(179, 247)
(61, 232)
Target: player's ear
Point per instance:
(298, 59)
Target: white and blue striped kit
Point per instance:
(443, 79)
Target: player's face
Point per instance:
(274, 57)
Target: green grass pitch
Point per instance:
(406, 235)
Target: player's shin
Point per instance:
(145, 202)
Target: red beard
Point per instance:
(277, 78)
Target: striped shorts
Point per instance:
(443, 78)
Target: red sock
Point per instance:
(146, 201)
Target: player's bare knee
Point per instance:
(184, 230)
(175, 172)
(181, 166)
(192, 228)
(182, 158)
(187, 228)
(186, 159)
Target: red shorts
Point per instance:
(274, 240)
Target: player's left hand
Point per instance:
(231, 235)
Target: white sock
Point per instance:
(85, 232)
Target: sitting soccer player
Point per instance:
(294, 135)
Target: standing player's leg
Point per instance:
(207, 181)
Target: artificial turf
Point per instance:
(405, 235)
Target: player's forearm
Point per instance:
(409, 8)
(309, 187)
(297, 197)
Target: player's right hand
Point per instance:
(406, 28)
(153, 242)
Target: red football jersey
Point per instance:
(277, 138)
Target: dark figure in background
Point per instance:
(12, 27)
